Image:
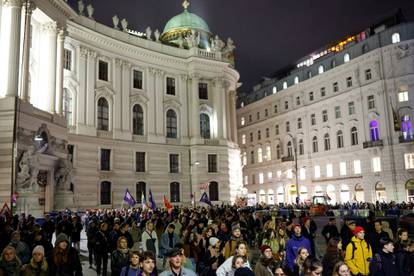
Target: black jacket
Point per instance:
(118, 261)
(374, 240)
(330, 231)
(383, 264)
(405, 262)
(72, 268)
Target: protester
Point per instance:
(119, 257)
(101, 249)
(373, 238)
(147, 263)
(312, 267)
(76, 232)
(330, 230)
(213, 258)
(280, 270)
(340, 269)
(405, 258)
(386, 228)
(295, 242)
(347, 233)
(358, 253)
(22, 249)
(169, 240)
(65, 259)
(384, 262)
(149, 239)
(38, 265)
(298, 268)
(230, 245)
(402, 236)
(241, 250)
(332, 256)
(91, 234)
(265, 263)
(174, 265)
(309, 229)
(271, 240)
(9, 262)
(133, 268)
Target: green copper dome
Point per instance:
(186, 20)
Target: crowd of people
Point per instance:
(221, 240)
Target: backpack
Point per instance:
(354, 248)
(150, 243)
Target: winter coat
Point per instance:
(361, 255)
(384, 264)
(22, 251)
(70, 268)
(35, 269)
(330, 231)
(10, 268)
(146, 236)
(76, 231)
(293, 246)
(206, 266)
(118, 261)
(226, 267)
(131, 271)
(374, 240)
(405, 262)
(165, 242)
(261, 269)
(230, 246)
(184, 272)
(101, 243)
(329, 261)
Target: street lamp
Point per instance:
(196, 163)
(295, 152)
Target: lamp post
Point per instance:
(196, 163)
(295, 152)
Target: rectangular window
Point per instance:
(289, 174)
(269, 175)
(286, 105)
(313, 119)
(351, 108)
(242, 121)
(251, 136)
(137, 83)
(357, 166)
(298, 100)
(409, 161)
(323, 92)
(259, 135)
(329, 170)
(403, 96)
(342, 168)
(246, 180)
(348, 81)
(170, 86)
(276, 129)
(279, 174)
(250, 118)
(335, 87)
(105, 159)
(267, 133)
(67, 59)
(337, 112)
(376, 164)
(258, 115)
(368, 74)
(325, 115)
(202, 91)
(244, 139)
(299, 123)
(212, 163)
(275, 108)
(310, 96)
(302, 173)
(252, 157)
(71, 152)
(103, 70)
(317, 171)
(174, 163)
(287, 126)
(371, 102)
(140, 161)
(266, 113)
(253, 179)
(261, 178)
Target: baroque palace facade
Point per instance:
(344, 114)
(88, 110)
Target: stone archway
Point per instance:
(380, 192)
(359, 193)
(409, 187)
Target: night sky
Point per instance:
(268, 34)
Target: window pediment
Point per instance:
(172, 103)
(138, 98)
(104, 91)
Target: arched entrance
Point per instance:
(409, 187)
(292, 193)
(330, 191)
(380, 193)
(303, 194)
(270, 197)
(344, 197)
(359, 193)
(280, 195)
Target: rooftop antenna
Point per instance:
(186, 3)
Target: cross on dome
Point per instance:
(186, 3)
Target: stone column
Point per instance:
(194, 107)
(81, 100)
(117, 111)
(159, 103)
(228, 116)
(10, 45)
(183, 88)
(126, 86)
(51, 34)
(90, 88)
(59, 72)
(233, 123)
(29, 7)
(151, 102)
(217, 107)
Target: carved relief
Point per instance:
(63, 174)
(28, 170)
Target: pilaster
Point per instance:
(81, 100)
(24, 94)
(117, 111)
(151, 104)
(183, 88)
(126, 88)
(50, 79)
(90, 88)
(159, 102)
(59, 72)
(194, 107)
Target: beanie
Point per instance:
(213, 241)
(39, 249)
(243, 271)
(60, 238)
(264, 247)
(357, 230)
(235, 227)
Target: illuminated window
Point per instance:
(301, 147)
(348, 81)
(315, 144)
(406, 128)
(274, 89)
(310, 96)
(242, 121)
(244, 139)
(268, 153)
(320, 69)
(368, 74)
(376, 164)
(246, 180)
(279, 174)
(323, 91)
(317, 171)
(302, 173)
(261, 178)
(346, 58)
(329, 170)
(357, 166)
(259, 155)
(269, 175)
(276, 129)
(409, 161)
(285, 85)
(395, 38)
(373, 125)
(342, 168)
(299, 123)
(337, 112)
(351, 108)
(403, 96)
(354, 136)
(289, 174)
(296, 81)
(327, 142)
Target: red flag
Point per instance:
(167, 205)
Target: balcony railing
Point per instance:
(371, 144)
(287, 158)
(406, 139)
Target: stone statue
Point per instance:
(115, 20)
(124, 24)
(180, 42)
(157, 35)
(148, 31)
(81, 7)
(191, 40)
(217, 44)
(63, 175)
(228, 50)
(29, 169)
(90, 11)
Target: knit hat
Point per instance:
(213, 241)
(357, 230)
(235, 227)
(243, 271)
(264, 247)
(60, 238)
(39, 249)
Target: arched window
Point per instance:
(406, 128)
(395, 38)
(175, 192)
(105, 193)
(289, 149)
(259, 155)
(340, 139)
(346, 58)
(320, 69)
(301, 147)
(373, 125)
(315, 144)
(103, 114)
(213, 191)
(138, 120)
(140, 189)
(204, 126)
(327, 142)
(68, 106)
(171, 124)
(354, 136)
(268, 153)
(278, 152)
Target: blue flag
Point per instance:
(151, 201)
(128, 198)
(204, 198)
